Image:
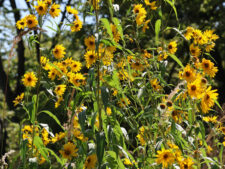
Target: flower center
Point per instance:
(30, 22)
(29, 79)
(41, 8)
(193, 87)
(187, 74)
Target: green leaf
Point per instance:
(53, 117)
(106, 25)
(174, 8)
(55, 155)
(100, 137)
(157, 29)
(176, 60)
(105, 96)
(40, 147)
(217, 103)
(81, 119)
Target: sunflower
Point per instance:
(208, 99)
(137, 66)
(212, 119)
(124, 102)
(31, 21)
(188, 34)
(146, 25)
(75, 66)
(188, 74)
(138, 9)
(44, 62)
(194, 89)
(48, 2)
(60, 89)
(116, 34)
(77, 25)
(90, 161)
(71, 10)
(165, 157)
(90, 42)
(176, 115)
(208, 67)
(127, 162)
(195, 50)
(77, 79)
(52, 73)
(55, 10)
(21, 24)
(155, 84)
(41, 8)
(59, 51)
(90, 57)
(107, 57)
(140, 13)
(29, 79)
(18, 99)
(186, 163)
(69, 151)
(172, 47)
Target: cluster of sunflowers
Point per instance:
(155, 122)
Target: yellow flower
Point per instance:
(127, 162)
(140, 12)
(195, 50)
(71, 10)
(90, 42)
(48, 2)
(57, 103)
(186, 163)
(77, 79)
(107, 57)
(155, 85)
(116, 34)
(90, 161)
(124, 102)
(69, 151)
(59, 51)
(188, 74)
(75, 66)
(21, 24)
(208, 99)
(212, 119)
(60, 89)
(165, 157)
(172, 47)
(29, 79)
(55, 10)
(146, 25)
(151, 4)
(18, 99)
(194, 89)
(208, 67)
(52, 73)
(44, 62)
(41, 8)
(77, 25)
(108, 111)
(137, 66)
(90, 57)
(31, 21)
(189, 33)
